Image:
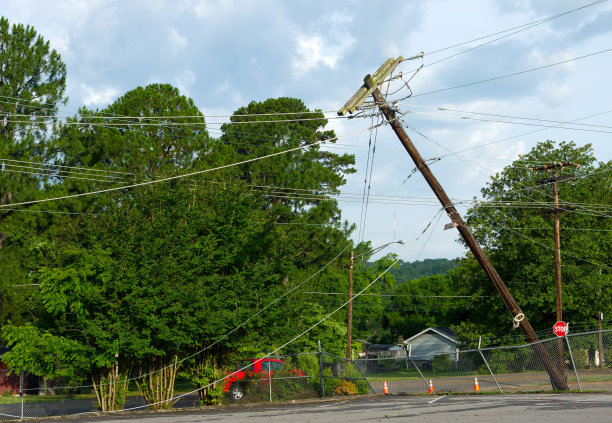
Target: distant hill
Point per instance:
(428, 267)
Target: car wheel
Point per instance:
(236, 392)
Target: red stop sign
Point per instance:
(560, 328)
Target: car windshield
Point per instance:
(244, 364)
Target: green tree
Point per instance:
(151, 280)
(428, 267)
(293, 184)
(520, 240)
(149, 132)
(32, 85)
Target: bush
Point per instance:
(442, 363)
(346, 388)
(331, 382)
(308, 363)
(581, 357)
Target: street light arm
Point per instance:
(379, 248)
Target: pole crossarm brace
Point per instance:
(371, 82)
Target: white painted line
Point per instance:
(336, 403)
(434, 400)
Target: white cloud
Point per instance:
(98, 97)
(177, 41)
(537, 58)
(554, 93)
(314, 51)
(185, 81)
(60, 42)
(209, 8)
(310, 55)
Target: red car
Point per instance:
(234, 384)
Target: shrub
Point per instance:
(442, 363)
(346, 388)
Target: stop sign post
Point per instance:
(560, 329)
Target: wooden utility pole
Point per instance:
(370, 86)
(350, 310)
(601, 351)
(552, 167)
(558, 255)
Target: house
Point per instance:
(385, 351)
(381, 357)
(431, 342)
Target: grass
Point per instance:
(409, 374)
(34, 399)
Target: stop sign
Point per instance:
(560, 328)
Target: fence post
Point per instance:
(21, 390)
(269, 377)
(573, 364)
(488, 367)
(321, 370)
(415, 366)
(364, 377)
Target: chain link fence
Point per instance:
(294, 377)
(582, 361)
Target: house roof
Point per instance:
(383, 347)
(442, 331)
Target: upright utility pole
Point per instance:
(558, 254)
(553, 167)
(350, 310)
(371, 87)
(600, 342)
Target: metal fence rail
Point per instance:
(584, 359)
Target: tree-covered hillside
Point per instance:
(429, 267)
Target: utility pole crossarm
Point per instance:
(371, 83)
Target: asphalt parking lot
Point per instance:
(558, 408)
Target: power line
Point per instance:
(56, 176)
(563, 228)
(88, 169)
(513, 74)
(178, 176)
(164, 124)
(399, 295)
(560, 124)
(529, 25)
(521, 135)
(445, 109)
(368, 180)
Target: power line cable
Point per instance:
(178, 176)
(513, 74)
(368, 180)
(529, 24)
(521, 135)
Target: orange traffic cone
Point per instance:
(476, 387)
(385, 388)
(431, 390)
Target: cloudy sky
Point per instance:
(225, 54)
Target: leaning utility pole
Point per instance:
(370, 87)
